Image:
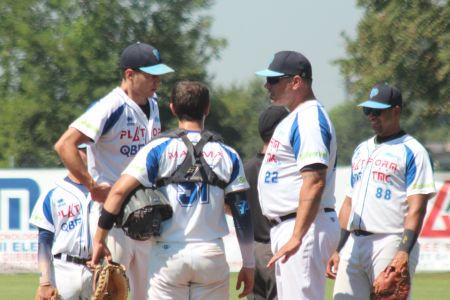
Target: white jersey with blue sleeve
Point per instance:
(64, 210)
(305, 137)
(383, 176)
(118, 128)
(198, 207)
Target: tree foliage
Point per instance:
(235, 112)
(407, 44)
(58, 56)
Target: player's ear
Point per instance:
(172, 109)
(128, 74)
(207, 108)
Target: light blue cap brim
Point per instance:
(82, 146)
(159, 69)
(269, 73)
(374, 104)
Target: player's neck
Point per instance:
(191, 125)
(383, 139)
(73, 178)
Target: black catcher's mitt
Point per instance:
(142, 213)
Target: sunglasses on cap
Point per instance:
(376, 112)
(275, 80)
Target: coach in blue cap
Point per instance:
(296, 181)
(116, 127)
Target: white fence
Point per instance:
(20, 189)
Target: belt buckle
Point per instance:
(63, 256)
(275, 221)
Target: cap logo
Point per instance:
(374, 92)
(156, 54)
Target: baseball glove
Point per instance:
(393, 287)
(46, 292)
(109, 282)
(142, 213)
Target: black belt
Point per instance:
(72, 259)
(276, 221)
(361, 232)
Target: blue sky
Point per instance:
(256, 29)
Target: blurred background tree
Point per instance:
(407, 44)
(58, 56)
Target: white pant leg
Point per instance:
(351, 282)
(303, 275)
(134, 255)
(363, 258)
(71, 280)
(138, 268)
(182, 271)
(211, 271)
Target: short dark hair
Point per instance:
(190, 100)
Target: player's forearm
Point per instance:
(240, 211)
(44, 256)
(66, 147)
(119, 192)
(344, 212)
(413, 222)
(416, 212)
(309, 202)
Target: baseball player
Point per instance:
(382, 214)
(265, 282)
(296, 181)
(188, 259)
(65, 245)
(117, 126)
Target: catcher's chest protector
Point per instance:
(194, 168)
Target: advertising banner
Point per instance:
(20, 189)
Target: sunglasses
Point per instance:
(275, 80)
(376, 112)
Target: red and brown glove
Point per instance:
(391, 284)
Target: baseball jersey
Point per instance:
(305, 137)
(383, 176)
(64, 210)
(118, 128)
(198, 208)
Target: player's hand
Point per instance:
(332, 266)
(246, 276)
(400, 261)
(46, 292)
(99, 192)
(289, 249)
(100, 249)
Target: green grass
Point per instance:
(426, 286)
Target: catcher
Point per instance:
(382, 215)
(188, 258)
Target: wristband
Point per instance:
(342, 239)
(106, 220)
(408, 240)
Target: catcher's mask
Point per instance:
(142, 213)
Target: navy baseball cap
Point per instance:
(288, 63)
(144, 57)
(269, 119)
(383, 96)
